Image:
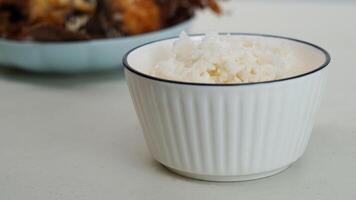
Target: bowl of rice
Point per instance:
(226, 107)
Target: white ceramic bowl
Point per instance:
(77, 57)
(226, 132)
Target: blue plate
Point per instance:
(75, 57)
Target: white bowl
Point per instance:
(226, 132)
(76, 57)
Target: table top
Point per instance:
(78, 137)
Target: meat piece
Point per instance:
(16, 9)
(13, 18)
(137, 16)
(99, 24)
(47, 12)
(175, 11)
(55, 12)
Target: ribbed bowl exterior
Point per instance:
(227, 130)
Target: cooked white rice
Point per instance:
(226, 59)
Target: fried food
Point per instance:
(138, 16)
(55, 12)
(72, 20)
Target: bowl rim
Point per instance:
(102, 40)
(322, 50)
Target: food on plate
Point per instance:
(72, 20)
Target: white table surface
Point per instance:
(77, 137)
